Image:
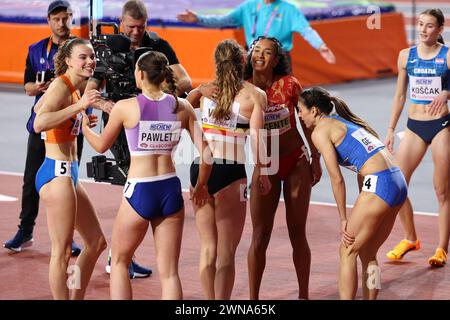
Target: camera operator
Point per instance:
(39, 73)
(133, 23)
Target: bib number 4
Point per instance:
(370, 183)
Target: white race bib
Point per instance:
(77, 125)
(370, 183)
(128, 189)
(159, 135)
(229, 122)
(62, 168)
(277, 120)
(424, 88)
(243, 196)
(368, 141)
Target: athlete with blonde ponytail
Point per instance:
(237, 110)
(345, 139)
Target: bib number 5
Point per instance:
(62, 168)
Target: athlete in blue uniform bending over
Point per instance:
(346, 140)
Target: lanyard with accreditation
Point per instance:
(47, 55)
(269, 23)
(49, 49)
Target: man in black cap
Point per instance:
(59, 4)
(38, 76)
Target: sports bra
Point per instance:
(357, 147)
(158, 130)
(232, 129)
(70, 128)
(427, 77)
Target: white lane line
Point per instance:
(7, 173)
(4, 198)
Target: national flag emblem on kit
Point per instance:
(439, 60)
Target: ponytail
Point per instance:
(171, 85)
(156, 67)
(343, 111)
(229, 60)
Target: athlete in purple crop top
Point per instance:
(153, 122)
(158, 130)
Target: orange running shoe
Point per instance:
(403, 248)
(439, 258)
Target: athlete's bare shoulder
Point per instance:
(403, 58)
(125, 103)
(56, 97)
(57, 87)
(184, 105)
(185, 112)
(404, 53)
(256, 94)
(253, 89)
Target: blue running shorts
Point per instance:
(154, 197)
(389, 185)
(51, 169)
